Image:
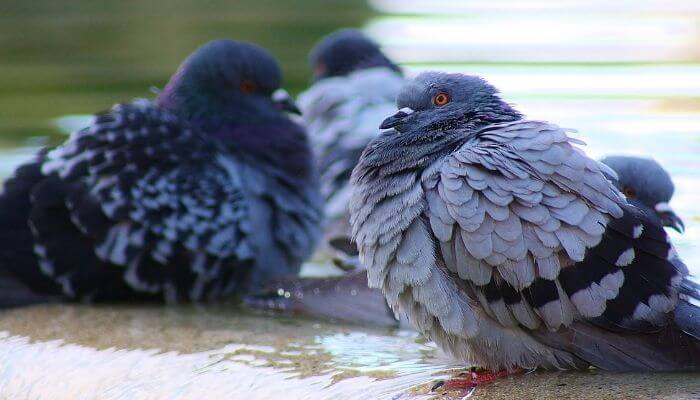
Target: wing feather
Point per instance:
(145, 189)
(531, 209)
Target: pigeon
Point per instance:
(648, 186)
(209, 190)
(501, 241)
(355, 88)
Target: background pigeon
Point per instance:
(647, 185)
(509, 247)
(207, 191)
(356, 88)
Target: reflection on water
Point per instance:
(69, 352)
(196, 352)
(626, 74)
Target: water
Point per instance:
(626, 74)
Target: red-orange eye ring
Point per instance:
(248, 86)
(441, 99)
(629, 192)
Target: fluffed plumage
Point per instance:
(207, 191)
(356, 88)
(504, 243)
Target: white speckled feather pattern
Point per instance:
(150, 192)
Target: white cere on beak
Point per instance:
(406, 110)
(280, 95)
(662, 207)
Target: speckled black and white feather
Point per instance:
(148, 192)
(170, 199)
(143, 188)
(504, 243)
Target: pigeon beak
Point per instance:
(284, 102)
(669, 218)
(396, 119)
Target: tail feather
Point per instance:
(346, 298)
(670, 349)
(21, 280)
(14, 293)
(687, 313)
(674, 347)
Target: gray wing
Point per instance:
(342, 115)
(524, 213)
(149, 195)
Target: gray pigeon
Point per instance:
(207, 191)
(356, 88)
(647, 185)
(505, 244)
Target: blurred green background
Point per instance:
(78, 56)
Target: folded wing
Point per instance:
(543, 237)
(141, 193)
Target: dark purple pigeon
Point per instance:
(207, 191)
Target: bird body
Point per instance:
(341, 114)
(207, 191)
(504, 243)
(355, 88)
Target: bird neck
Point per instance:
(489, 111)
(423, 144)
(278, 145)
(393, 153)
(212, 109)
(249, 126)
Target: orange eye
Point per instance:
(441, 99)
(248, 86)
(629, 192)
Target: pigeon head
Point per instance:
(647, 185)
(345, 51)
(440, 101)
(227, 81)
